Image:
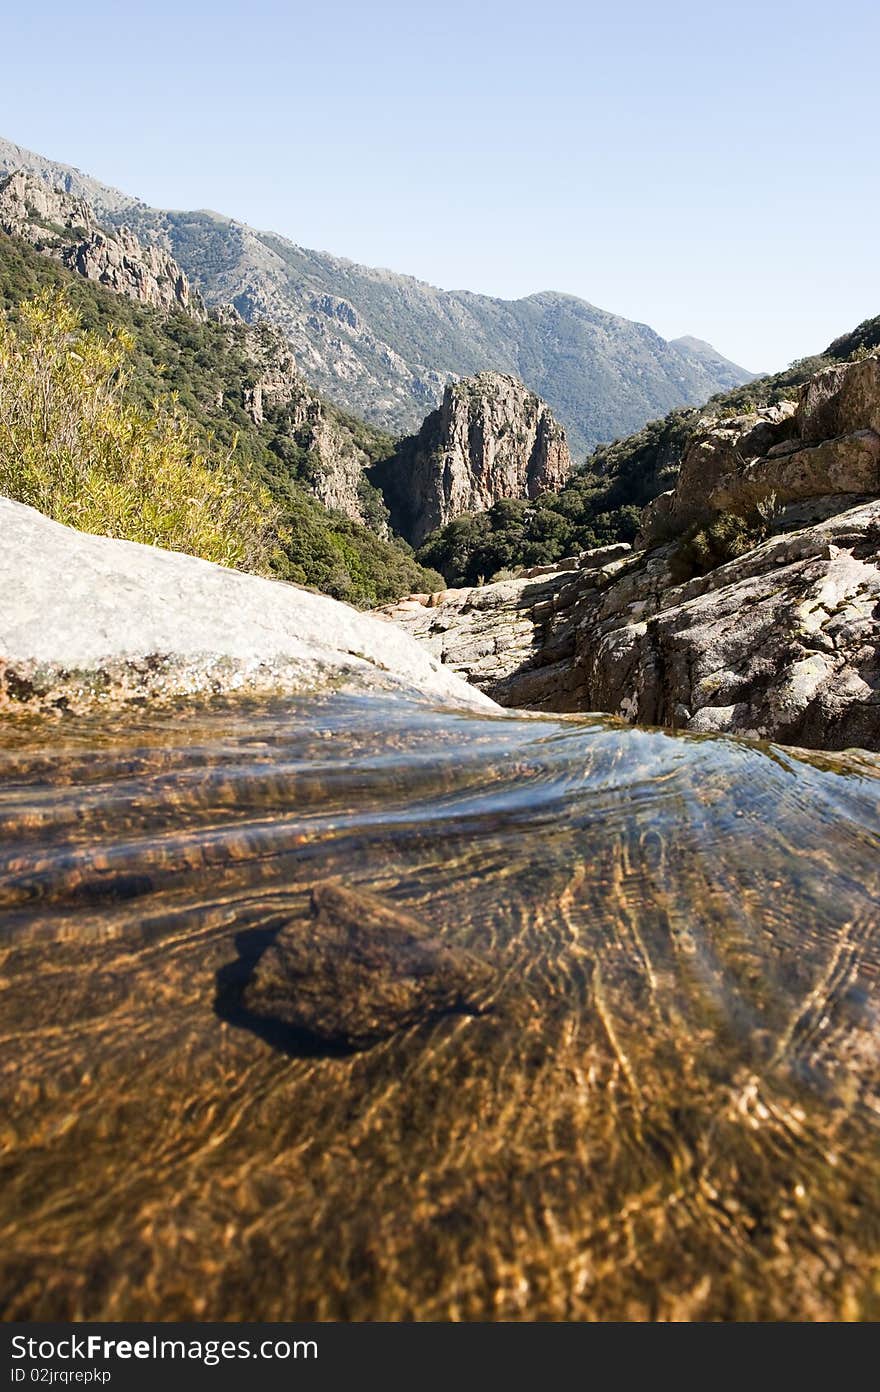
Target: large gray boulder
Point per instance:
(846, 464)
(840, 400)
(87, 619)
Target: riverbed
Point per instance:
(670, 1109)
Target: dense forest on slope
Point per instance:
(603, 501)
(206, 370)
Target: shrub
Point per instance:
(73, 445)
(707, 545)
(517, 532)
(207, 366)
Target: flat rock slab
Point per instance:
(357, 971)
(89, 620)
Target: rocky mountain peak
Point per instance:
(385, 345)
(490, 438)
(63, 225)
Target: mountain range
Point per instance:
(385, 345)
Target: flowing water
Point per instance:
(669, 1111)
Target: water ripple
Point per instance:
(671, 1110)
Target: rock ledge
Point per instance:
(88, 620)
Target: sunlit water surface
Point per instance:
(671, 1110)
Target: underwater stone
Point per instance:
(357, 971)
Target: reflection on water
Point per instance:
(670, 1110)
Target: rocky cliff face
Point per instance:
(491, 438)
(384, 345)
(825, 443)
(336, 463)
(781, 642)
(64, 226)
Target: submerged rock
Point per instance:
(671, 1112)
(358, 970)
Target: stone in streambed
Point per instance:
(357, 971)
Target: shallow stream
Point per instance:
(671, 1109)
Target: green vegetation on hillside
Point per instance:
(599, 373)
(208, 370)
(602, 502)
(516, 532)
(73, 446)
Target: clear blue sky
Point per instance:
(706, 168)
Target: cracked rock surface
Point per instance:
(781, 643)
